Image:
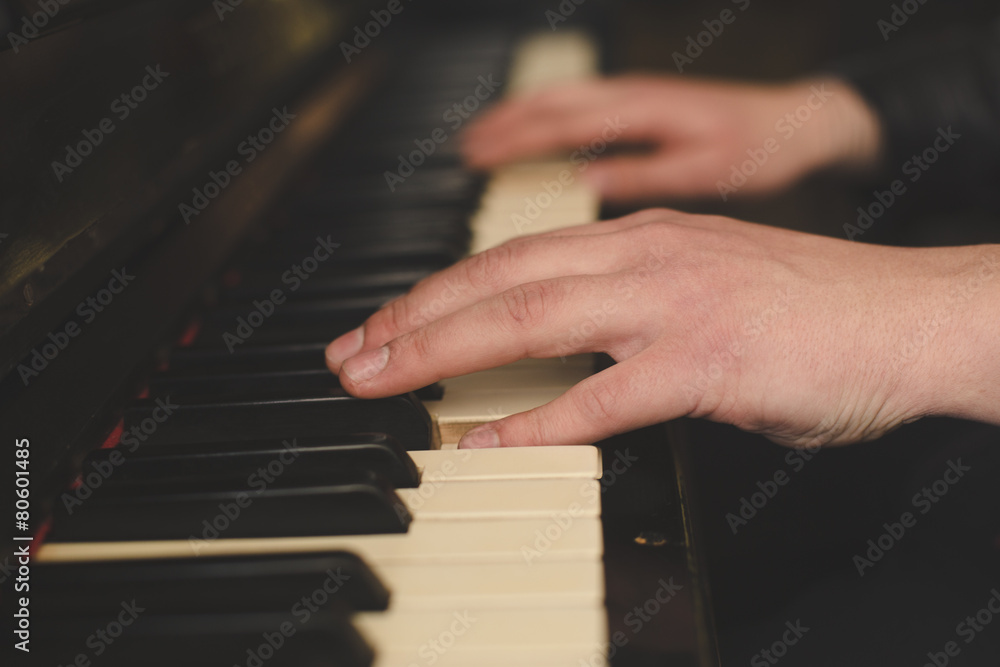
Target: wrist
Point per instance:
(950, 353)
(846, 132)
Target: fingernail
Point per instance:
(482, 437)
(366, 366)
(346, 346)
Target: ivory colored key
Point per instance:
(524, 585)
(539, 61)
(499, 541)
(503, 499)
(486, 396)
(486, 638)
(546, 58)
(508, 463)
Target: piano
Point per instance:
(199, 196)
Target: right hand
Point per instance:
(807, 339)
(697, 130)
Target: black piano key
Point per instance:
(297, 356)
(298, 249)
(424, 187)
(323, 283)
(205, 509)
(210, 584)
(373, 452)
(308, 230)
(349, 308)
(249, 381)
(254, 368)
(396, 253)
(179, 384)
(319, 413)
(231, 337)
(288, 640)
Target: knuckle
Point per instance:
(526, 306)
(599, 402)
(416, 345)
(491, 269)
(523, 430)
(659, 222)
(658, 229)
(397, 316)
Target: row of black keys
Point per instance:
(236, 410)
(221, 410)
(208, 610)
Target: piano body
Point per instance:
(197, 197)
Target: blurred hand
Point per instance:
(807, 339)
(698, 132)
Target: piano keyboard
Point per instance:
(489, 557)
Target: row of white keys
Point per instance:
(476, 539)
(487, 638)
(534, 611)
(535, 586)
(426, 543)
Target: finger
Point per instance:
(634, 393)
(546, 135)
(687, 173)
(449, 290)
(489, 273)
(566, 99)
(531, 320)
(554, 101)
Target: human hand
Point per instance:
(802, 338)
(698, 132)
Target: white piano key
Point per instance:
(503, 499)
(479, 398)
(486, 638)
(557, 538)
(512, 204)
(536, 585)
(546, 58)
(582, 462)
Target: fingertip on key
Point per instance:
(344, 347)
(367, 365)
(481, 437)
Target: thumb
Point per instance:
(615, 400)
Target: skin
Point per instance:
(807, 339)
(694, 130)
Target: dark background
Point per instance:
(794, 559)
